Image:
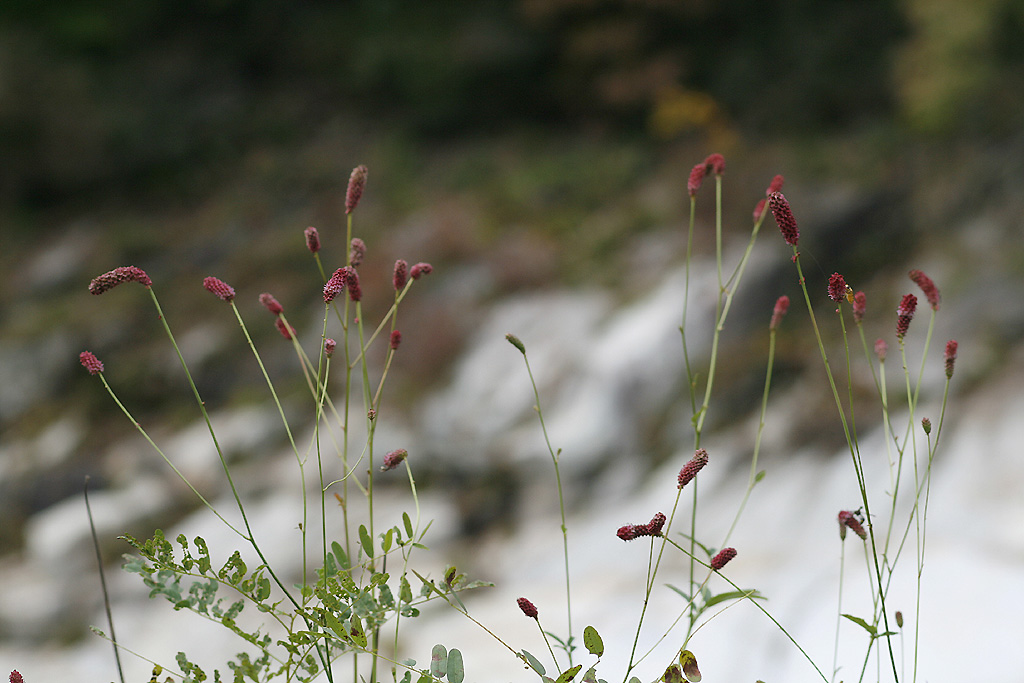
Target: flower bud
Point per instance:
(420, 269)
(394, 459)
(691, 468)
(722, 558)
(329, 346)
(356, 185)
(860, 305)
(219, 288)
(312, 239)
(270, 303)
(90, 362)
(836, 287)
(904, 314)
(784, 218)
(950, 356)
(528, 608)
(357, 252)
(781, 306)
(401, 275)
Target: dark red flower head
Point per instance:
(420, 269)
(401, 275)
(628, 532)
(329, 346)
(904, 314)
(880, 349)
(656, 524)
(286, 330)
(355, 292)
(784, 218)
(775, 185)
(394, 458)
(113, 278)
(271, 304)
(219, 288)
(836, 287)
(396, 339)
(950, 356)
(312, 239)
(691, 468)
(759, 209)
(722, 558)
(528, 608)
(336, 284)
(16, 677)
(715, 163)
(90, 362)
(931, 292)
(357, 252)
(356, 185)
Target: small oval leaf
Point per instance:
(592, 639)
(534, 663)
(438, 661)
(456, 669)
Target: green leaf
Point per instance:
(590, 676)
(593, 642)
(366, 541)
(863, 624)
(456, 669)
(404, 590)
(732, 595)
(438, 661)
(389, 537)
(569, 674)
(688, 661)
(408, 524)
(684, 594)
(760, 476)
(534, 663)
(339, 554)
(356, 632)
(335, 625)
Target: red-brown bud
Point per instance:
(784, 218)
(113, 278)
(836, 287)
(396, 339)
(691, 468)
(312, 239)
(775, 185)
(656, 524)
(329, 346)
(420, 269)
(847, 520)
(880, 349)
(16, 677)
(904, 314)
(696, 178)
(722, 558)
(860, 305)
(270, 303)
(357, 252)
(931, 292)
(759, 209)
(950, 356)
(401, 275)
(528, 607)
(355, 293)
(286, 330)
(715, 163)
(356, 185)
(336, 284)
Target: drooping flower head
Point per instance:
(950, 356)
(357, 252)
(774, 186)
(931, 292)
(696, 178)
(90, 362)
(904, 314)
(836, 287)
(356, 185)
(860, 305)
(219, 288)
(528, 608)
(784, 218)
(395, 340)
(394, 458)
(722, 558)
(691, 468)
(112, 278)
(336, 284)
(781, 306)
(271, 304)
(401, 275)
(420, 269)
(847, 520)
(312, 239)
(715, 163)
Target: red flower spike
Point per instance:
(357, 252)
(329, 346)
(656, 524)
(950, 356)
(784, 218)
(904, 314)
(420, 269)
(880, 348)
(90, 362)
(286, 330)
(16, 677)
(690, 469)
(352, 283)
(270, 303)
(401, 274)
(356, 185)
(696, 178)
(312, 239)
(860, 305)
(759, 210)
(781, 306)
(396, 339)
(848, 520)
(528, 607)
(836, 287)
(335, 285)
(113, 278)
(715, 163)
(628, 532)
(722, 558)
(394, 459)
(775, 185)
(219, 288)
(931, 292)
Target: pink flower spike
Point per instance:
(528, 608)
(420, 269)
(113, 278)
(715, 163)
(357, 252)
(904, 314)
(691, 468)
(781, 306)
(759, 210)
(335, 285)
(784, 218)
(931, 292)
(860, 305)
(880, 349)
(394, 459)
(355, 293)
(312, 239)
(950, 356)
(396, 339)
(16, 677)
(836, 287)
(286, 330)
(722, 558)
(90, 362)
(329, 346)
(401, 275)
(271, 304)
(356, 185)
(775, 185)
(219, 288)
(696, 178)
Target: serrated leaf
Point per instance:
(534, 663)
(592, 641)
(456, 669)
(863, 624)
(365, 541)
(569, 674)
(438, 661)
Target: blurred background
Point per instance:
(536, 152)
